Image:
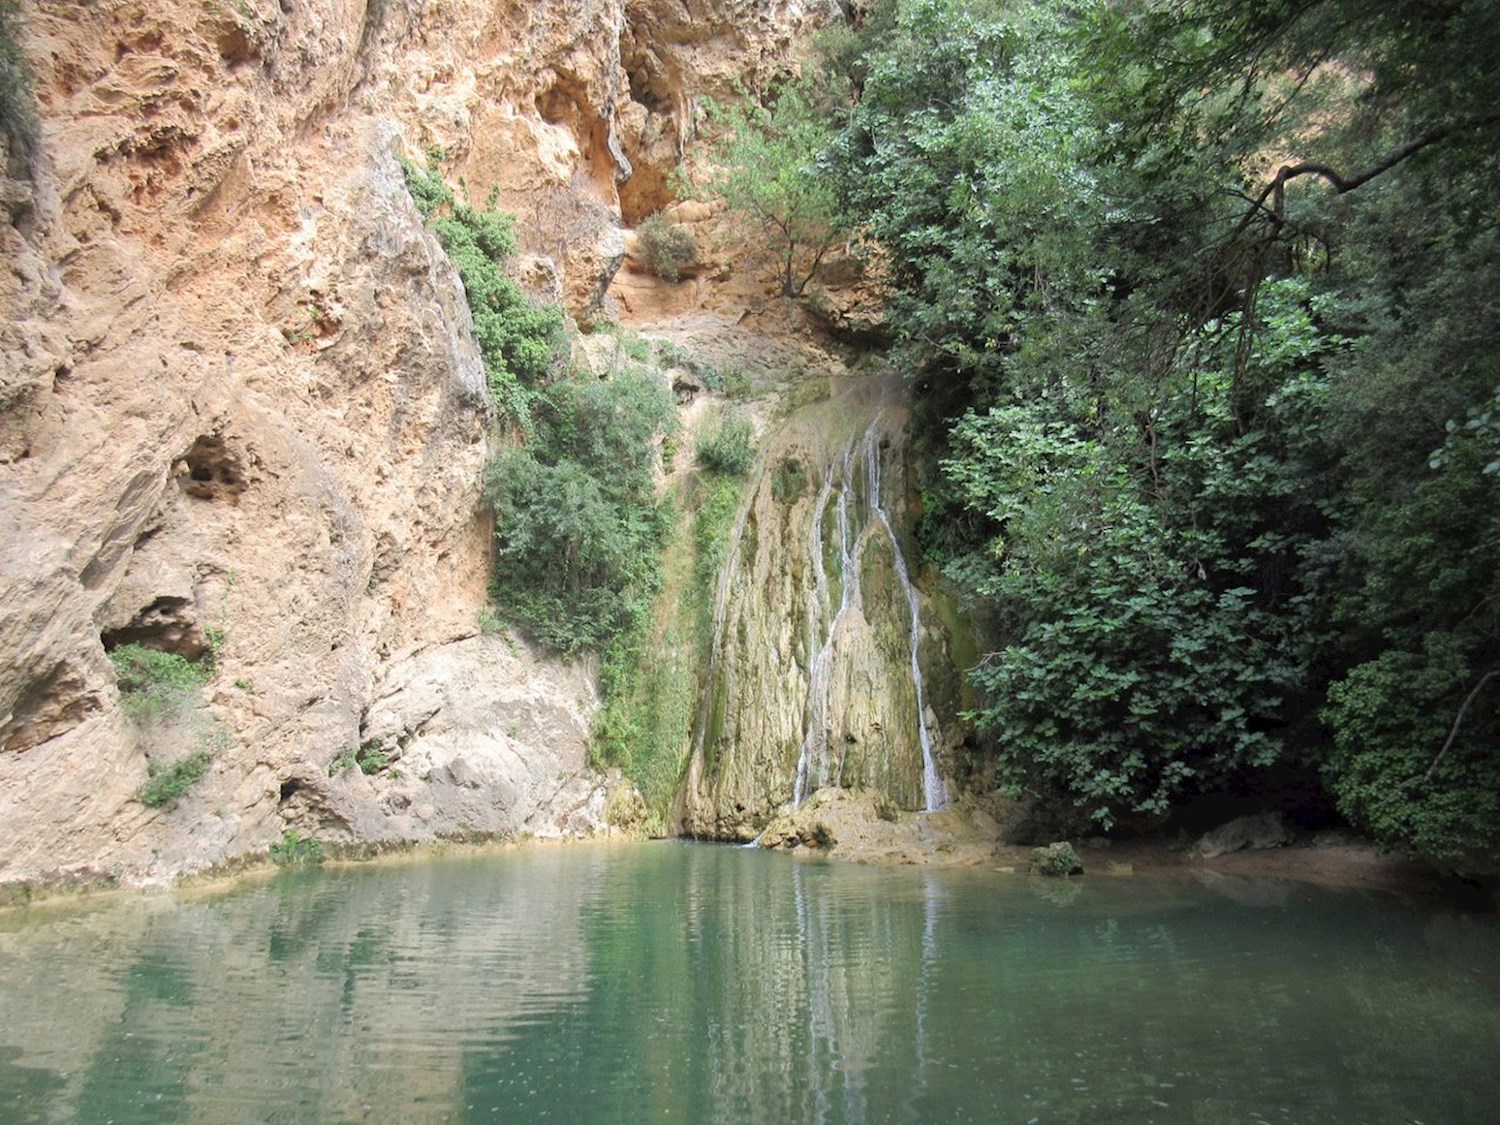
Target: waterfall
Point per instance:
(932, 784)
(813, 673)
(813, 758)
(814, 752)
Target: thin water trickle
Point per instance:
(815, 676)
(933, 794)
(812, 760)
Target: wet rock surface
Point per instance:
(815, 676)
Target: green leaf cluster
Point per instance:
(517, 337)
(726, 445)
(369, 758)
(155, 684)
(578, 526)
(1199, 301)
(164, 784)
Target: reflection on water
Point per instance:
(694, 983)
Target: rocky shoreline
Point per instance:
(856, 827)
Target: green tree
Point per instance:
(770, 165)
(578, 527)
(517, 337)
(1200, 298)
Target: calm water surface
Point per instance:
(673, 982)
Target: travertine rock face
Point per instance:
(812, 682)
(240, 409)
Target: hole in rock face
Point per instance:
(289, 789)
(556, 105)
(167, 624)
(210, 470)
(54, 699)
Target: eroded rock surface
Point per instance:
(1255, 833)
(241, 412)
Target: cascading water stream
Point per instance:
(814, 751)
(814, 678)
(812, 760)
(932, 783)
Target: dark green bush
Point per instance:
(725, 445)
(789, 481)
(665, 247)
(577, 523)
(369, 758)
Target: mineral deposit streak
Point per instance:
(932, 784)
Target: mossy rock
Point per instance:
(1056, 860)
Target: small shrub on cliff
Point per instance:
(725, 446)
(517, 337)
(789, 482)
(769, 166)
(156, 684)
(164, 784)
(369, 758)
(665, 247)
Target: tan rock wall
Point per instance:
(239, 406)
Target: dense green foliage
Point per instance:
(1201, 298)
(725, 446)
(518, 338)
(653, 674)
(578, 526)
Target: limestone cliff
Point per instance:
(240, 408)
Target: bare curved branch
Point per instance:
(1274, 193)
(1458, 719)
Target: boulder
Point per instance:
(1267, 830)
(1056, 859)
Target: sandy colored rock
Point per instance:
(241, 408)
(1265, 830)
